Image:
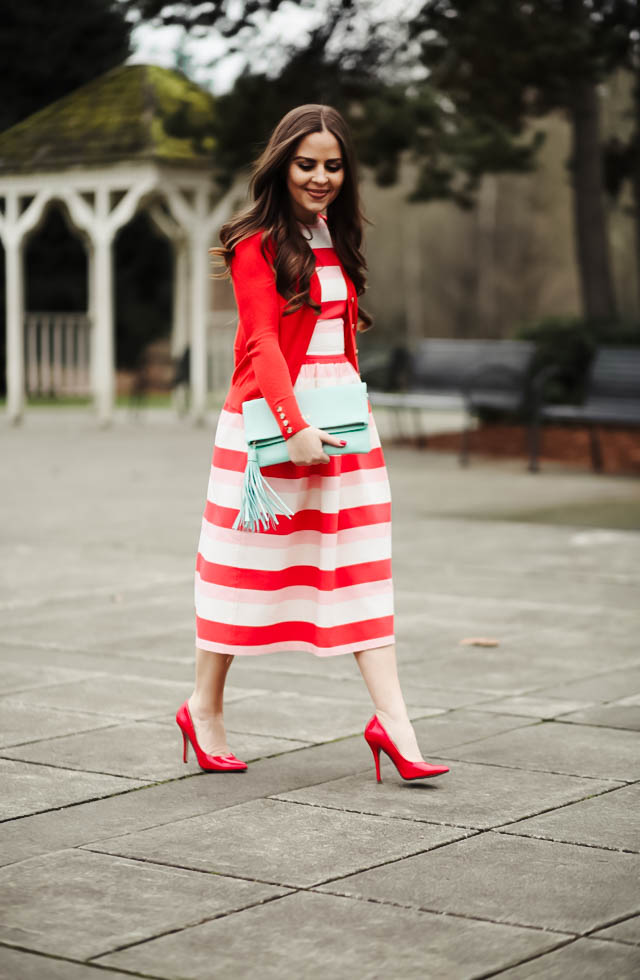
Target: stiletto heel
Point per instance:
(377, 738)
(210, 763)
(376, 758)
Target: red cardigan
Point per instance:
(269, 348)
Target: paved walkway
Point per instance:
(119, 860)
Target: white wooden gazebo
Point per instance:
(135, 138)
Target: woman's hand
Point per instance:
(305, 447)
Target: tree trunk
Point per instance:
(590, 220)
(635, 179)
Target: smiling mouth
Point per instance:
(317, 194)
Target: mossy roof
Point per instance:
(133, 112)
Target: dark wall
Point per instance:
(143, 275)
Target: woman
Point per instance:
(319, 581)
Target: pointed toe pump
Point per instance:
(377, 738)
(210, 763)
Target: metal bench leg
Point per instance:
(421, 438)
(533, 435)
(596, 449)
(464, 444)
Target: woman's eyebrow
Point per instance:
(313, 159)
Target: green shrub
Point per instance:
(568, 343)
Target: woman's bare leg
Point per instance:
(206, 702)
(380, 672)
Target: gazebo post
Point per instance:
(167, 225)
(91, 310)
(103, 340)
(14, 316)
(180, 334)
(198, 260)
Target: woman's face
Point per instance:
(315, 175)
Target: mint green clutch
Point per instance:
(339, 409)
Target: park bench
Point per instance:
(612, 398)
(468, 375)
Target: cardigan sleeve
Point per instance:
(254, 287)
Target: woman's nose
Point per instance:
(320, 177)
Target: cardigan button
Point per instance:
(285, 421)
(289, 429)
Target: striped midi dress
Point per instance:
(321, 580)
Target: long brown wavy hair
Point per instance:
(283, 243)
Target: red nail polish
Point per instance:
(343, 442)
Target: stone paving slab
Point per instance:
(90, 623)
(17, 677)
(15, 964)
(303, 717)
(98, 661)
(603, 685)
(497, 670)
(591, 642)
(632, 699)
(166, 646)
(521, 663)
(23, 722)
(144, 750)
(279, 682)
(29, 788)
(586, 959)
(110, 577)
(80, 904)
(282, 843)
(461, 726)
(610, 820)
(563, 585)
(533, 706)
(342, 666)
(161, 804)
(557, 747)
(501, 878)
(563, 590)
(315, 936)
(346, 682)
(469, 795)
(517, 598)
(349, 686)
(627, 931)
(625, 716)
(116, 696)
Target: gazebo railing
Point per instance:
(57, 354)
(57, 349)
(221, 335)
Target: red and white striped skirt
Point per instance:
(318, 582)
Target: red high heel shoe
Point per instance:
(210, 763)
(377, 739)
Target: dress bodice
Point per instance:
(328, 334)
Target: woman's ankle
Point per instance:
(201, 708)
(398, 718)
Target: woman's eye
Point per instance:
(331, 167)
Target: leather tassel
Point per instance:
(260, 504)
